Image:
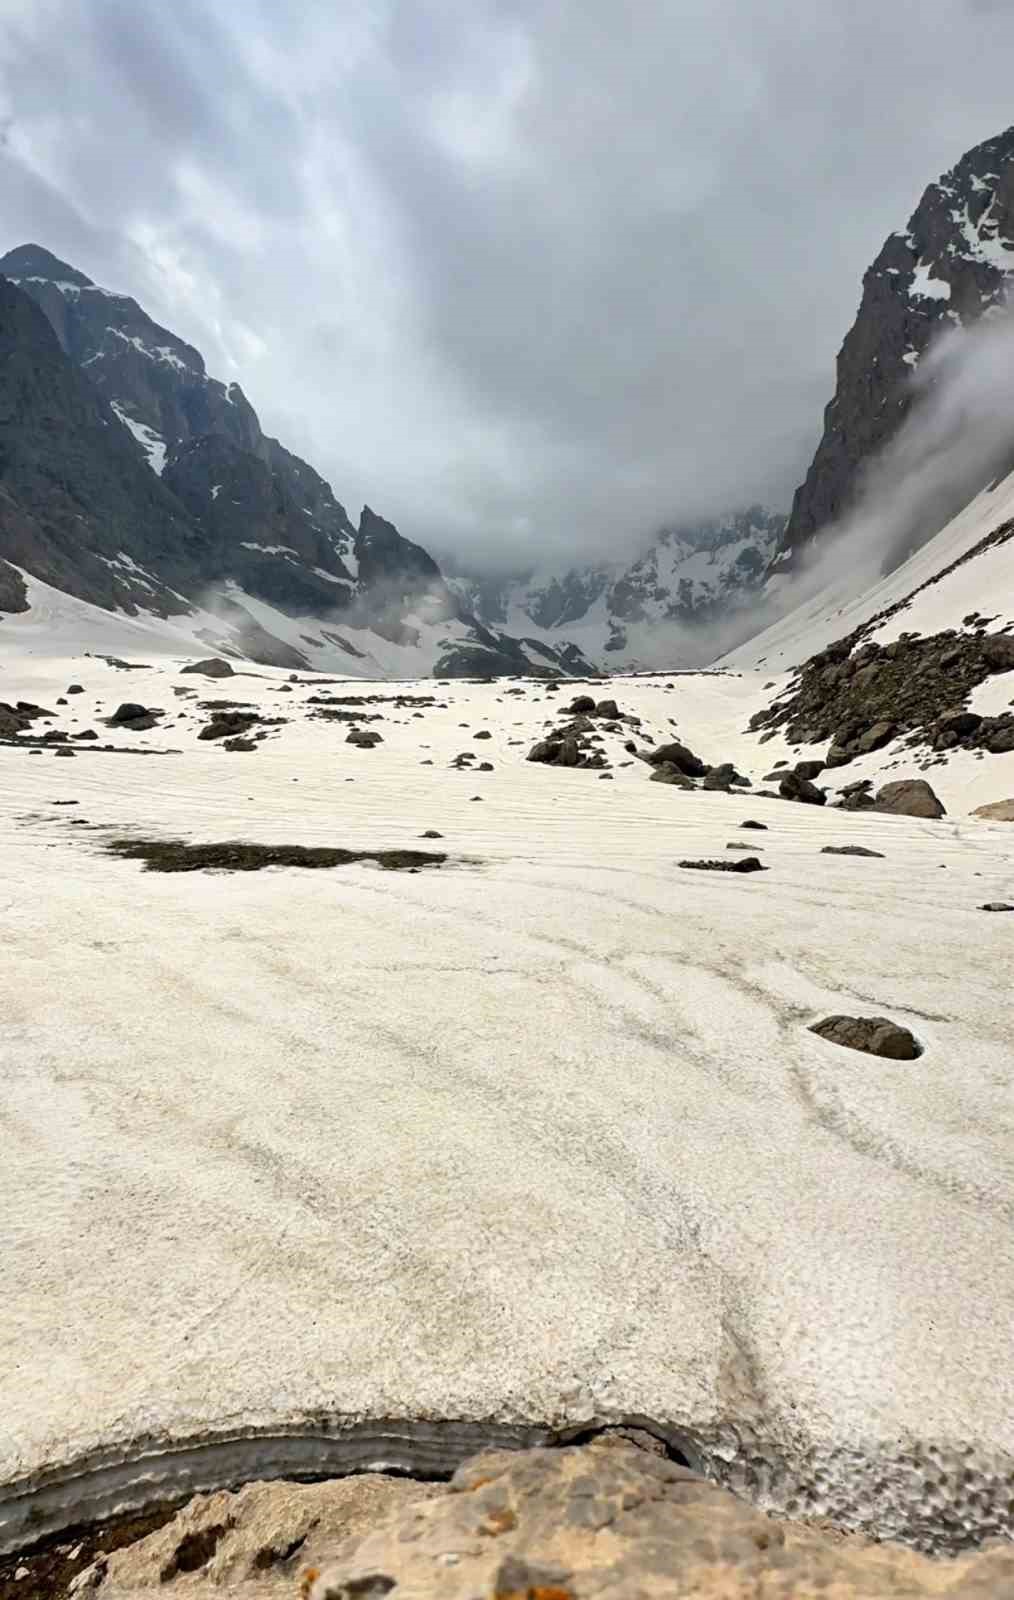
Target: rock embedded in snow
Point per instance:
(875, 1036)
(747, 864)
(213, 667)
(850, 850)
(365, 738)
(909, 797)
(996, 811)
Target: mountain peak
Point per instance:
(33, 261)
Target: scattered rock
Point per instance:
(607, 708)
(213, 667)
(996, 905)
(228, 725)
(583, 703)
(875, 1036)
(364, 738)
(239, 744)
(762, 827)
(75, 688)
(483, 733)
(746, 864)
(605, 777)
(431, 833)
(850, 850)
(909, 797)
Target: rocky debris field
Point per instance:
(612, 1518)
(861, 696)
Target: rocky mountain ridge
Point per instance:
(950, 267)
(132, 479)
(629, 613)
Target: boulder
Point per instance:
(214, 667)
(545, 751)
(129, 711)
(679, 756)
(669, 774)
(996, 811)
(793, 787)
(744, 864)
(909, 797)
(806, 769)
(581, 703)
(607, 708)
(874, 1036)
(365, 738)
(996, 734)
(998, 650)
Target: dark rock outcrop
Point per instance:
(952, 264)
(861, 695)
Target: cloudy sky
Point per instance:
(530, 276)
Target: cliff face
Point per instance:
(131, 479)
(952, 265)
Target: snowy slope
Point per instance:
(534, 1140)
(57, 623)
(983, 584)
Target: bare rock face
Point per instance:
(609, 1519)
(874, 1036)
(909, 797)
(254, 1542)
(952, 264)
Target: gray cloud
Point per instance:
(531, 276)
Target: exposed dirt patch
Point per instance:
(234, 855)
(48, 1569)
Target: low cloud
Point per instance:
(533, 277)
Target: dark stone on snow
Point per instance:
(746, 864)
(679, 756)
(875, 1036)
(364, 738)
(849, 850)
(996, 905)
(213, 667)
(762, 827)
(793, 787)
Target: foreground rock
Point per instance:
(875, 1036)
(608, 1519)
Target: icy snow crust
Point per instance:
(311, 1169)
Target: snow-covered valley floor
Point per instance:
(536, 1139)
